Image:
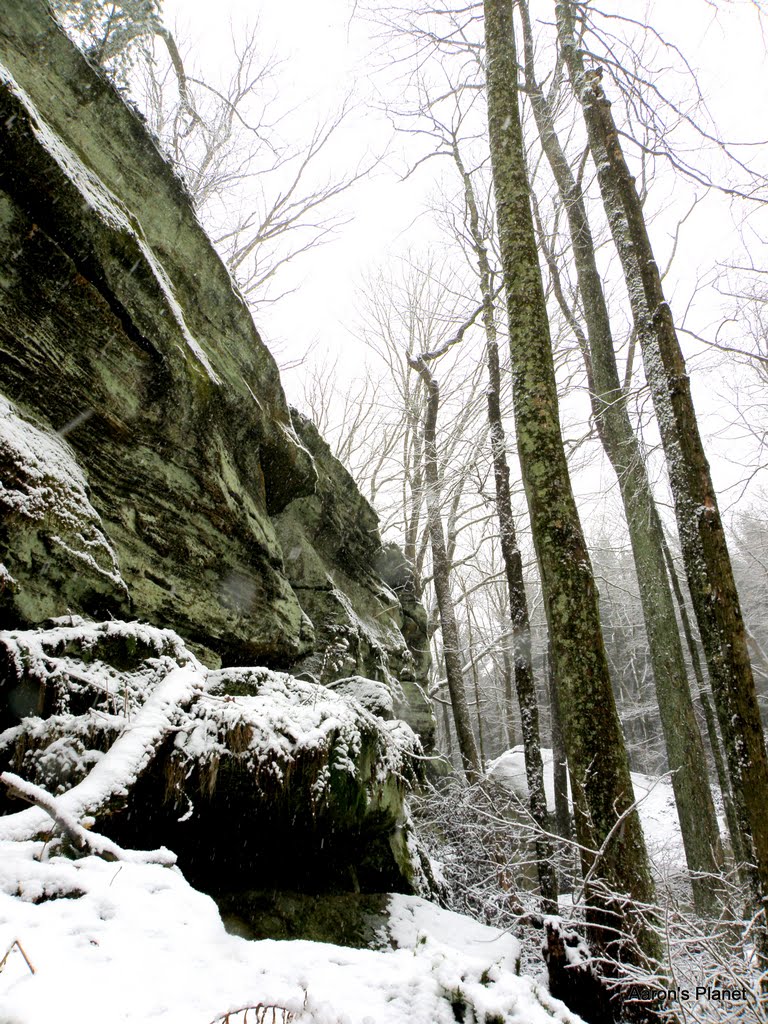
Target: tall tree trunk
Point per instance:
(441, 578)
(475, 681)
(447, 730)
(733, 819)
(682, 738)
(509, 713)
(597, 758)
(702, 538)
(513, 562)
(559, 758)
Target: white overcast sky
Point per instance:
(326, 53)
(326, 59)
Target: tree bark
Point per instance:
(682, 738)
(441, 579)
(563, 821)
(732, 818)
(509, 715)
(702, 538)
(513, 564)
(447, 728)
(597, 759)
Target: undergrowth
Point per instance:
(482, 842)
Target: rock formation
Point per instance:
(255, 778)
(151, 466)
(151, 470)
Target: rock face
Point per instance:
(50, 530)
(365, 624)
(150, 466)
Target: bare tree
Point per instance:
(518, 605)
(702, 538)
(596, 755)
(263, 200)
(416, 470)
(112, 32)
(441, 567)
(684, 746)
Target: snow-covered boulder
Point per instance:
(253, 778)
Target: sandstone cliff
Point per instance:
(151, 468)
(197, 650)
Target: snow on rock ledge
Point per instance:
(252, 777)
(56, 536)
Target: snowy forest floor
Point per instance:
(135, 943)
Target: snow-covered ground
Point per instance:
(135, 943)
(655, 804)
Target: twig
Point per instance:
(20, 948)
(261, 1010)
(40, 798)
(112, 777)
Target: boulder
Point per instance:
(254, 779)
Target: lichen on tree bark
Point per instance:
(685, 750)
(702, 538)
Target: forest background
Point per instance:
(390, 241)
